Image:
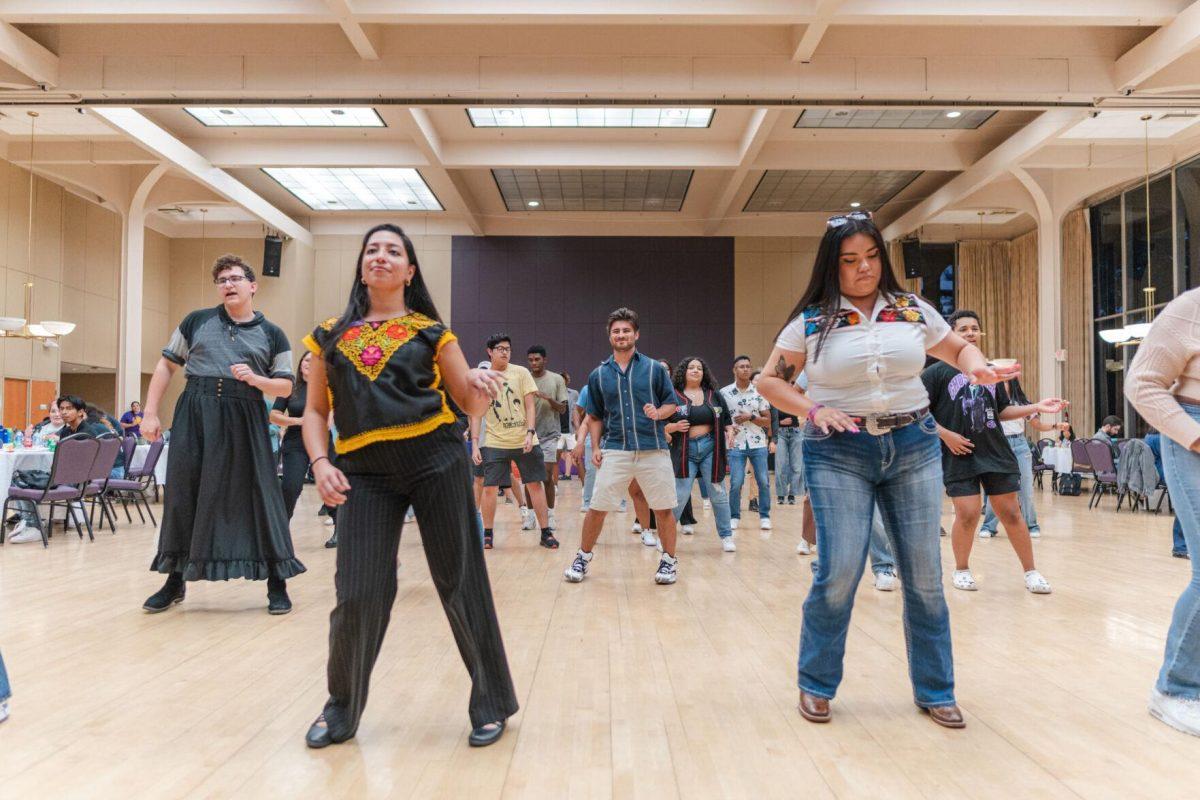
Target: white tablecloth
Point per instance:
(160, 469)
(20, 458)
(1060, 458)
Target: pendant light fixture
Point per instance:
(20, 327)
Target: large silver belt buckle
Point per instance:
(874, 428)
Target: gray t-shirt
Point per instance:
(208, 342)
(547, 422)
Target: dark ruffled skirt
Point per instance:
(223, 510)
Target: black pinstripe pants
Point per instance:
(431, 474)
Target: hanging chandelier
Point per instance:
(47, 331)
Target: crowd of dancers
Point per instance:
(872, 404)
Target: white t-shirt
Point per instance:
(868, 366)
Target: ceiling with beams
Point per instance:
(662, 117)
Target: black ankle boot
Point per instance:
(277, 596)
(171, 593)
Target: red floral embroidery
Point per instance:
(853, 318)
(397, 332)
(352, 334)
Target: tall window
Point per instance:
(1159, 254)
(1187, 231)
(1108, 259)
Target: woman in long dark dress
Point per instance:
(386, 365)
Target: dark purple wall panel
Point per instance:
(558, 291)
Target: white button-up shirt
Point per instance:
(868, 366)
(747, 435)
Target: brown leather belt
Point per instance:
(876, 424)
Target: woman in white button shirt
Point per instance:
(869, 439)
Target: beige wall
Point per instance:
(770, 272)
(335, 270)
(99, 389)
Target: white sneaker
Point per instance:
(530, 522)
(550, 523)
(24, 534)
(623, 508)
(733, 523)
(986, 534)
(764, 523)
(579, 567)
(649, 539)
(728, 545)
(688, 530)
(637, 527)
(3, 711)
(330, 522)
(963, 579)
(885, 581)
(805, 549)
(708, 505)
(1035, 583)
(667, 570)
(1181, 713)
(583, 509)
(1035, 534)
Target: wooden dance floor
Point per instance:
(627, 689)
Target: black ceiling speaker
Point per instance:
(272, 254)
(913, 266)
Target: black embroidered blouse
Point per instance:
(384, 381)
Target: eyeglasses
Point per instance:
(841, 219)
(232, 280)
(500, 348)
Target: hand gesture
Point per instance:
(151, 427)
(331, 483)
(650, 411)
(528, 443)
(828, 418)
(991, 375)
(476, 455)
(487, 382)
(244, 374)
(683, 426)
(1051, 405)
(957, 443)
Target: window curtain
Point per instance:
(998, 281)
(1076, 299)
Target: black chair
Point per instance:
(1039, 466)
(69, 474)
(96, 490)
(133, 488)
(1104, 470)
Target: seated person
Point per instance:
(76, 419)
(1110, 429)
(131, 420)
(52, 422)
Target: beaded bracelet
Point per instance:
(812, 412)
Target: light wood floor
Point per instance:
(627, 689)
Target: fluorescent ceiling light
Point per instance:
(1129, 125)
(589, 117)
(357, 189)
(286, 116)
(893, 118)
(953, 114)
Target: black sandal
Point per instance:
(483, 735)
(487, 541)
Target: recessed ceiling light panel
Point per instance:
(357, 189)
(286, 116)
(593, 189)
(894, 118)
(796, 191)
(589, 117)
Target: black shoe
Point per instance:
(549, 542)
(277, 597)
(318, 735)
(483, 736)
(331, 542)
(171, 593)
(791, 500)
(779, 501)
(754, 504)
(1180, 554)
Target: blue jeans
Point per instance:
(1178, 543)
(1020, 448)
(757, 456)
(5, 689)
(847, 475)
(789, 463)
(701, 451)
(880, 550)
(1180, 674)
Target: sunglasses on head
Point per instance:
(841, 219)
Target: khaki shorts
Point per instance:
(651, 468)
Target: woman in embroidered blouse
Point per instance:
(869, 439)
(385, 365)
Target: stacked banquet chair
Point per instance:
(70, 472)
(137, 481)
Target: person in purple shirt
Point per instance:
(131, 420)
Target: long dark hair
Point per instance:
(679, 376)
(416, 295)
(299, 385)
(825, 287)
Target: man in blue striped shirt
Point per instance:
(629, 396)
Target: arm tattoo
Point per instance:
(784, 370)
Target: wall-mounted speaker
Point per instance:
(272, 255)
(913, 266)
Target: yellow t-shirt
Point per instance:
(506, 417)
